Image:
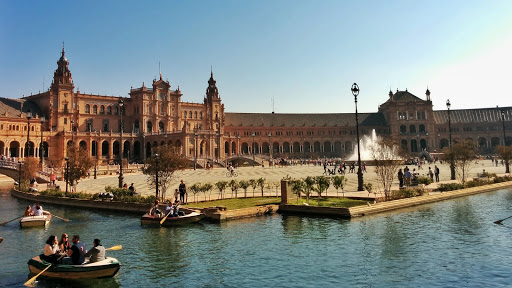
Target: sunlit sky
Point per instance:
(304, 55)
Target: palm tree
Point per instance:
(261, 183)
(234, 187)
(244, 185)
(253, 184)
(207, 188)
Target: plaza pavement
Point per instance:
(273, 175)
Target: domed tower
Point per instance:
(215, 110)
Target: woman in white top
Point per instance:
(51, 250)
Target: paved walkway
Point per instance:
(271, 175)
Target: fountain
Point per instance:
(366, 142)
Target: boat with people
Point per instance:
(187, 217)
(36, 221)
(101, 269)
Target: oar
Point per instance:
(115, 248)
(499, 221)
(163, 219)
(33, 279)
(3, 224)
(63, 219)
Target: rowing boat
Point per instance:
(101, 269)
(190, 216)
(35, 221)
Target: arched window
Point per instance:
(87, 108)
(403, 129)
(200, 115)
(184, 114)
(421, 128)
(189, 114)
(109, 110)
(149, 126)
(102, 109)
(94, 109)
(412, 129)
(195, 114)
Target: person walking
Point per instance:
(436, 173)
(430, 174)
(401, 177)
(183, 191)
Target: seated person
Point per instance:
(169, 210)
(154, 211)
(28, 212)
(75, 253)
(64, 245)
(51, 250)
(176, 207)
(97, 253)
(38, 210)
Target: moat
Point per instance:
(448, 244)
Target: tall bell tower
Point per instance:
(62, 96)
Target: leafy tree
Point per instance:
(79, 165)
(244, 184)
(386, 156)
(339, 181)
(369, 187)
(309, 186)
(168, 162)
(234, 187)
(195, 188)
(221, 185)
(261, 184)
(298, 187)
(322, 184)
(207, 188)
(463, 155)
(505, 153)
(254, 184)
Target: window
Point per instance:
(102, 109)
(109, 110)
(105, 125)
(94, 109)
(412, 128)
(195, 114)
(88, 109)
(200, 115)
(161, 96)
(403, 129)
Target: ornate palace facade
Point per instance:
(156, 115)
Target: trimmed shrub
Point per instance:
(450, 187)
(475, 183)
(406, 193)
(424, 180)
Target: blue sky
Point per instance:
(303, 54)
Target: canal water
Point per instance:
(448, 244)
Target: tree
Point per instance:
(386, 156)
(254, 184)
(234, 187)
(29, 170)
(168, 162)
(79, 165)
(221, 185)
(505, 153)
(322, 184)
(196, 188)
(261, 184)
(463, 155)
(207, 188)
(309, 185)
(338, 182)
(244, 185)
(298, 187)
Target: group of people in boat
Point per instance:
(171, 210)
(36, 210)
(63, 252)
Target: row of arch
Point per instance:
(230, 147)
(412, 129)
(15, 149)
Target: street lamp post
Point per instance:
(67, 173)
(41, 146)
(217, 154)
(503, 124)
(121, 178)
(452, 164)
(355, 92)
(19, 175)
(238, 147)
(96, 158)
(72, 133)
(253, 156)
(27, 146)
(304, 151)
(270, 146)
(156, 174)
(195, 150)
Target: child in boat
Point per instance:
(154, 211)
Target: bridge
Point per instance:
(12, 170)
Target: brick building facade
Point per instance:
(156, 115)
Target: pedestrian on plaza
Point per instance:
(183, 191)
(436, 172)
(431, 174)
(401, 177)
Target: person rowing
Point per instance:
(97, 253)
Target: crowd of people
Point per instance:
(71, 253)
